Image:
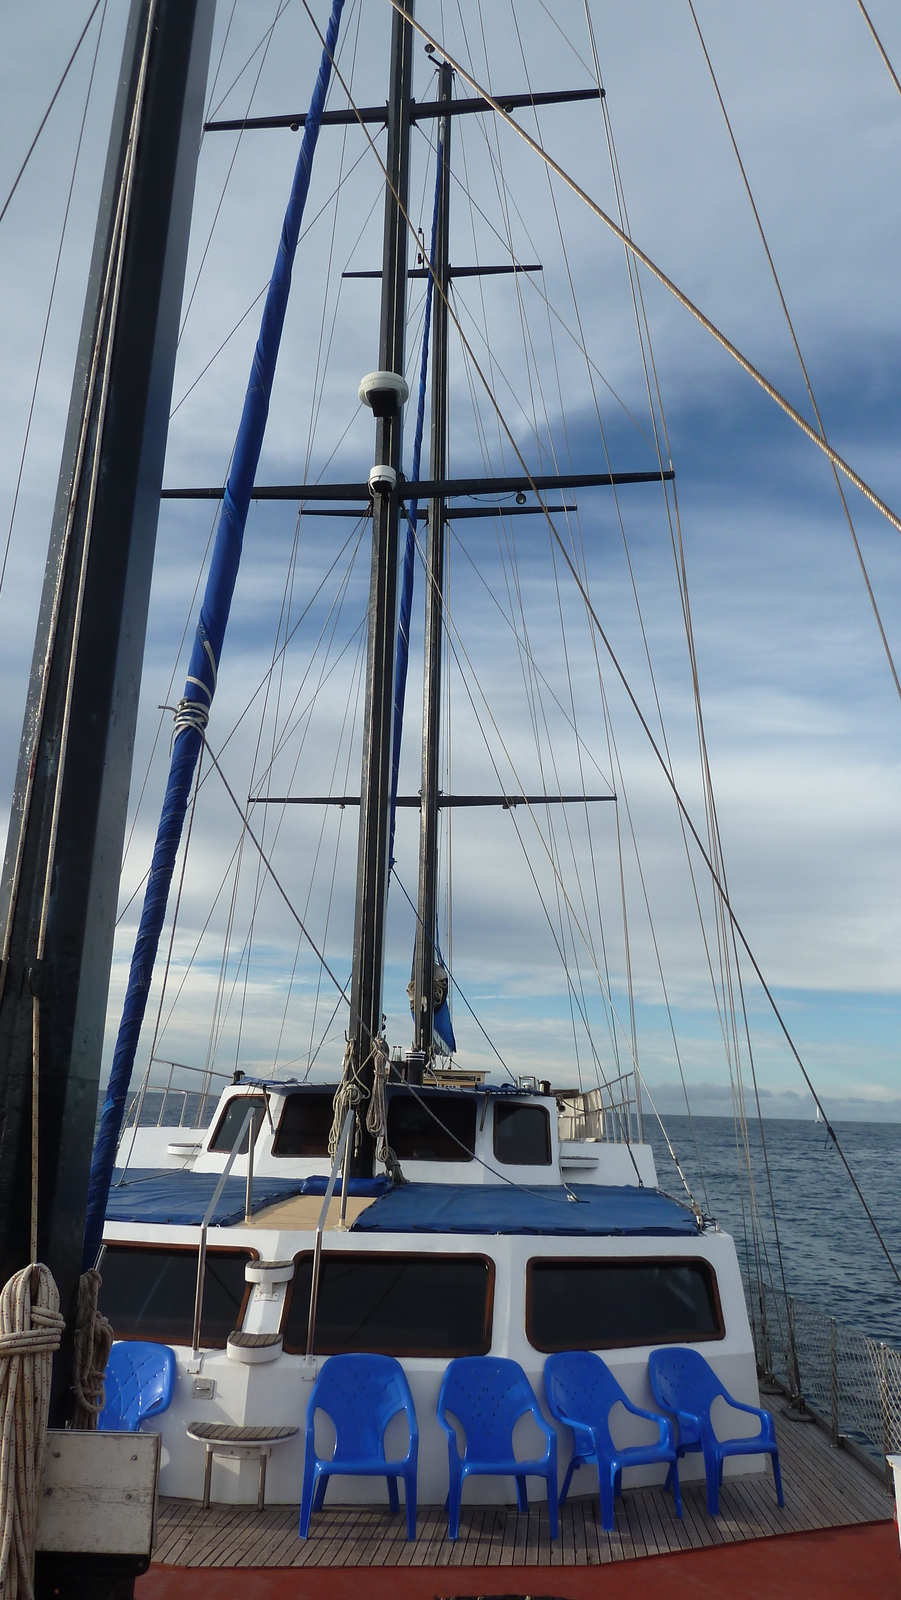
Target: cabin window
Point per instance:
(148, 1293)
(436, 1127)
(522, 1135)
(232, 1120)
(396, 1305)
(599, 1305)
(304, 1125)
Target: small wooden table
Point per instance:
(226, 1439)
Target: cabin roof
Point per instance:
(165, 1195)
(507, 1208)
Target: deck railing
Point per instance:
(158, 1099)
(611, 1112)
(850, 1382)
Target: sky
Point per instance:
(802, 718)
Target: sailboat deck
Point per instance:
(824, 1488)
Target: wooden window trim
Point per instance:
(249, 1251)
(405, 1255)
(626, 1261)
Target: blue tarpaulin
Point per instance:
(166, 1195)
(502, 1208)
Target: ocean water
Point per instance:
(830, 1253)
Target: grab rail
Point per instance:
(340, 1161)
(201, 1253)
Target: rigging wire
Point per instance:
(53, 99)
(879, 45)
(51, 299)
(647, 261)
(794, 338)
(658, 754)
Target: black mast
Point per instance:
(61, 874)
(375, 790)
(427, 907)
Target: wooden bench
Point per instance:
(226, 1439)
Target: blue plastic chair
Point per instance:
(361, 1394)
(488, 1395)
(685, 1384)
(582, 1391)
(139, 1381)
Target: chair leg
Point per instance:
(306, 1499)
(553, 1503)
(410, 1499)
(672, 1479)
(712, 1469)
(207, 1479)
(321, 1486)
(454, 1496)
(393, 1500)
(608, 1510)
(780, 1497)
(522, 1494)
(261, 1489)
(577, 1461)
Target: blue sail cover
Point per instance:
(598, 1210)
(200, 685)
(166, 1195)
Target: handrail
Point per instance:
(201, 1253)
(339, 1161)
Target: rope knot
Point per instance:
(190, 714)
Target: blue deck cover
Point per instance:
(504, 1208)
(180, 1198)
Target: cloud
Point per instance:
(801, 717)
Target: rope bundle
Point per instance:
(30, 1331)
(93, 1342)
(377, 1113)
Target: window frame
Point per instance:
(279, 1155)
(626, 1261)
(407, 1351)
(248, 1250)
(521, 1105)
(398, 1093)
(263, 1100)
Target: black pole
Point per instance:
(375, 791)
(427, 899)
(61, 873)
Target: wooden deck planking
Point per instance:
(823, 1488)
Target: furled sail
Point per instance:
(194, 707)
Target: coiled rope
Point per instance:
(377, 1114)
(93, 1342)
(30, 1331)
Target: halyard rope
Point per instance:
(93, 1342)
(30, 1331)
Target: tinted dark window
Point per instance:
(304, 1125)
(148, 1293)
(416, 1127)
(595, 1305)
(232, 1121)
(394, 1304)
(522, 1135)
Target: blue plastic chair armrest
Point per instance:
(450, 1431)
(767, 1427)
(550, 1435)
(664, 1423)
